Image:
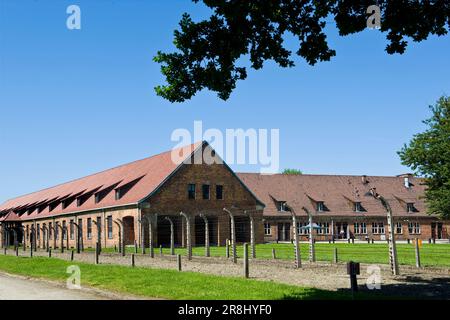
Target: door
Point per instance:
(284, 232)
(439, 230)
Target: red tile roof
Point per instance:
(145, 176)
(338, 192)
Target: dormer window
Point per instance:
(78, 202)
(358, 207)
(281, 206)
(97, 197)
(320, 206)
(64, 205)
(118, 194)
(410, 207)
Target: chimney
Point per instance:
(406, 182)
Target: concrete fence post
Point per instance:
(150, 237)
(274, 254)
(207, 250)
(335, 255)
(227, 248)
(62, 240)
(417, 250)
(17, 251)
(179, 261)
(233, 235)
(246, 266)
(188, 235)
(298, 261)
(252, 234)
(172, 236)
(142, 226)
(96, 253)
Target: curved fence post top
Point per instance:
(168, 219)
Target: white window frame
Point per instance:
(267, 229)
(398, 225)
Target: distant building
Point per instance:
(344, 207)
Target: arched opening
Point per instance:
(163, 232)
(200, 230)
(128, 230)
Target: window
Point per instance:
(381, 227)
(219, 192)
(78, 202)
(299, 228)
(205, 191)
(320, 206)
(64, 225)
(281, 206)
(97, 197)
(267, 230)
(360, 228)
(64, 204)
(324, 228)
(110, 227)
(410, 208)
(117, 194)
(414, 227)
(378, 228)
(358, 207)
(398, 228)
(71, 229)
(89, 228)
(191, 191)
(363, 228)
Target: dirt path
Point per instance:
(19, 288)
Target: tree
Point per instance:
(208, 51)
(428, 154)
(292, 171)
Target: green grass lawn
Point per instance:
(437, 255)
(160, 283)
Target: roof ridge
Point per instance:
(322, 175)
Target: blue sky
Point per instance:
(76, 102)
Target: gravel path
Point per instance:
(429, 282)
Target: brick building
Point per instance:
(123, 203)
(344, 207)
